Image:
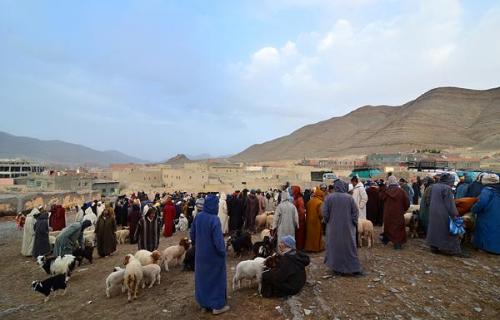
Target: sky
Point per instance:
(155, 78)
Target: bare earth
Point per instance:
(409, 284)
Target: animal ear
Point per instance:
(126, 260)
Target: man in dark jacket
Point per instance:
(417, 194)
(289, 276)
(41, 245)
(236, 211)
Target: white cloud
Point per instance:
(440, 55)
(387, 61)
(289, 49)
(342, 32)
(267, 55)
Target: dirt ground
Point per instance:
(407, 284)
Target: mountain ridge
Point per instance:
(58, 152)
(472, 120)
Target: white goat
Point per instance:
(249, 269)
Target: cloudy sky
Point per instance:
(154, 78)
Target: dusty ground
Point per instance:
(409, 284)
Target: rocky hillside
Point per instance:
(441, 118)
(178, 160)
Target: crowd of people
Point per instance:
(324, 218)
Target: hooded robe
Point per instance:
(340, 213)
(251, 211)
(90, 216)
(288, 278)
(286, 217)
(361, 198)
(300, 232)
(29, 233)
(373, 209)
(210, 256)
(42, 245)
(314, 241)
(168, 218)
(105, 229)
(442, 207)
(57, 219)
(396, 203)
(236, 212)
(223, 213)
(133, 219)
(148, 232)
(487, 210)
(69, 239)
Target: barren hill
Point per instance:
(58, 152)
(441, 118)
(178, 160)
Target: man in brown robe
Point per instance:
(396, 203)
(105, 229)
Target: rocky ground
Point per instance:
(407, 284)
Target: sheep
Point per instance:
(52, 240)
(114, 280)
(189, 259)
(151, 275)
(408, 216)
(89, 238)
(413, 207)
(54, 233)
(260, 221)
(57, 265)
(263, 248)
(122, 235)
(414, 226)
(132, 276)
(249, 269)
(265, 233)
(175, 252)
(240, 241)
(365, 231)
(269, 221)
(146, 257)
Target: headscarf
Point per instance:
(295, 191)
(289, 241)
(318, 193)
(211, 204)
(200, 202)
(392, 181)
(340, 186)
(286, 196)
(490, 178)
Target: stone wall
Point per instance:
(11, 204)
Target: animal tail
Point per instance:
(131, 281)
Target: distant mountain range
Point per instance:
(58, 152)
(442, 118)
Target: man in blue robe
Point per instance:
(210, 258)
